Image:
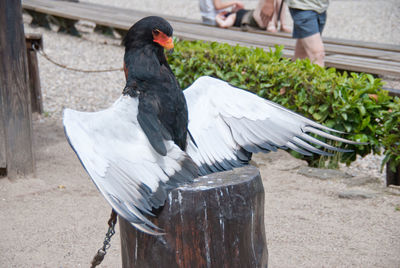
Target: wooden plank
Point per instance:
(232, 33)
(392, 64)
(362, 44)
(106, 8)
(338, 41)
(123, 18)
(265, 40)
(14, 91)
(76, 13)
(359, 64)
(356, 47)
(287, 43)
(3, 160)
(327, 40)
(392, 91)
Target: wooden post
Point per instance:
(33, 67)
(14, 92)
(3, 163)
(392, 178)
(218, 221)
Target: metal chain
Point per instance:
(98, 258)
(42, 53)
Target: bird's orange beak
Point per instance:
(162, 39)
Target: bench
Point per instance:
(374, 58)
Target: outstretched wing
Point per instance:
(119, 158)
(228, 124)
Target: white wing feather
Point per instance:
(116, 153)
(228, 124)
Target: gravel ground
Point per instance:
(361, 227)
(57, 218)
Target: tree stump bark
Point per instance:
(218, 221)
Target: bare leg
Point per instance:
(273, 23)
(299, 51)
(310, 47)
(263, 12)
(284, 27)
(267, 10)
(225, 22)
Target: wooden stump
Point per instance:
(218, 221)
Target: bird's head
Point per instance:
(149, 30)
(154, 31)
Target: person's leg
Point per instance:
(263, 12)
(284, 27)
(299, 51)
(225, 22)
(273, 23)
(311, 47)
(307, 28)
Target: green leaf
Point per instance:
(317, 116)
(362, 110)
(340, 100)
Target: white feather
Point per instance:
(119, 158)
(223, 119)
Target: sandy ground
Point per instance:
(57, 218)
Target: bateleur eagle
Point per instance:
(156, 136)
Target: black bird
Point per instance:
(156, 136)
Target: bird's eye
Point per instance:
(156, 32)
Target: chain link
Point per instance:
(98, 258)
(41, 52)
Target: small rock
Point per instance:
(323, 174)
(362, 180)
(353, 194)
(393, 189)
(280, 160)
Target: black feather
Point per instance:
(162, 107)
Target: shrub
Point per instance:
(353, 103)
(391, 137)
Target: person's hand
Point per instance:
(267, 11)
(221, 15)
(237, 6)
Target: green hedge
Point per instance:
(391, 137)
(353, 102)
